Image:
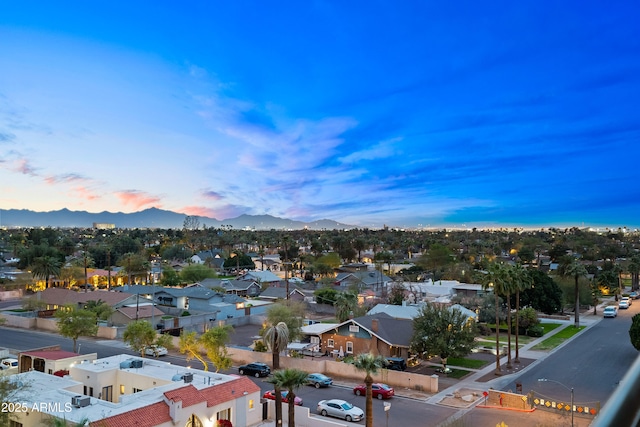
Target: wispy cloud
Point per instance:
(138, 199)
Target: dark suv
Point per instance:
(256, 369)
(396, 364)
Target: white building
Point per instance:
(126, 390)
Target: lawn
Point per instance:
(467, 363)
(558, 338)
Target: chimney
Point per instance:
(374, 325)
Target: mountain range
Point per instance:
(152, 218)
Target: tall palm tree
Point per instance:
(634, 269)
(44, 267)
(509, 288)
(495, 280)
(370, 364)
(575, 269)
(276, 337)
(291, 380)
(522, 281)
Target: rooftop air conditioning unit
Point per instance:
(188, 377)
(80, 401)
(137, 363)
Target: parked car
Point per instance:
(319, 380)
(271, 394)
(396, 364)
(378, 390)
(634, 295)
(155, 351)
(627, 299)
(256, 369)
(622, 304)
(610, 311)
(340, 409)
(9, 364)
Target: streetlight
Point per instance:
(568, 388)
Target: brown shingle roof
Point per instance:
(60, 296)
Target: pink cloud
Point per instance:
(138, 199)
(25, 168)
(65, 178)
(86, 194)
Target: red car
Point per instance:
(271, 394)
(379, 390)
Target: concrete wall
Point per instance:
(339, 369)
(507, 400)
(14, 294)
(19, 321)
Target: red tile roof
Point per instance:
(60, 296)
(147, 416)
(51, 354)
(158, 413)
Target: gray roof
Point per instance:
(368, 278)
(396, 332)
(279, 292)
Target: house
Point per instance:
(379, 334)
(271, 262)
(212, 258)
(59, 297)
(366, 279)
(273, 293)
(243, 288)
(411, 311)
(264, 278)
(124, 315)
(128, 390)
(52, 361)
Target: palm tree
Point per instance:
(575, 269)
(634, 269)
(509, 288)
(370, 364)
(277, 339)
(290, 379)
(44, 267)
(523, 281)
(495, 280)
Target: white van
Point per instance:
(9, 364)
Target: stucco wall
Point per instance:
(339, 369)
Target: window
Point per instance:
(330, 343)
(137, 390)
(349, 347)
(224, 415)
(121, 388)
(250, 403)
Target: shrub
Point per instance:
(259, 346)
(483, 329)
(535, 331)
(186, 313)
(224, 423)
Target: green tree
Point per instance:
(101, 309)
(191, 346)
(370, 364)
(346, 305)
(74, 322)
(10, 391)
(436, 259)
(139, 334)
(277, 337)
(214, 341)
(196, 272)
(291, 380)
(576, 270)
(45, 267)
(290, 313)
(544, 294)
(326, 295)
(396, 296)
(442, 331)
(62, 422)
(634, 331)
(170, 277)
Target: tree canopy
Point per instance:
(442, 331)
(74, 322)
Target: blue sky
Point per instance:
(365, 112)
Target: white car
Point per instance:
(627, 299)
(155, 351)
(623, 304)
(340, 409)
(610, 311)
(9, 364)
